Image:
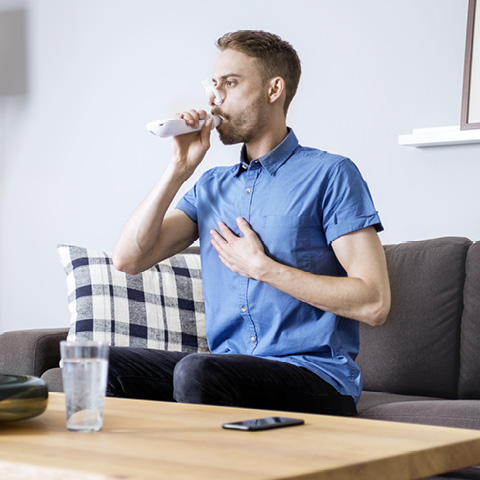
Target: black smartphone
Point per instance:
(263, 423)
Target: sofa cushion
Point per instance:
(161, 308)
(446, 413)
(369, 400)
(469, 384)
(416, 352)
(53, 379)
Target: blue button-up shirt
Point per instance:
(298, 200)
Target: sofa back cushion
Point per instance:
(469, 382)
(416, 352)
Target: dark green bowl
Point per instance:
(21, 397)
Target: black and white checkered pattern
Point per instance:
(161, 308)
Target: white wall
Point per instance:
(75, 158)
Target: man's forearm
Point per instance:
(345, 296)
(141, 233)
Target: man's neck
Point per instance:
(265, 143)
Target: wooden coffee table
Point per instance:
(156, 440)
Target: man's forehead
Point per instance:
(234, 63)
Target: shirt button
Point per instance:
(248, 190)
(244, 166)
(244, 309)
(253, 339)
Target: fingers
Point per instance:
(220, 241)
(193, 117)
(216, 237)
(226, 235)
(244, 226)
(206, 130)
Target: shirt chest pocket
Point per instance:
(288, 239)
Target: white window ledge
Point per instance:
(431, 137)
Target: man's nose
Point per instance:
(216, 98)
(211, 99)
(213, 95)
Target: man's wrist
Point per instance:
(267, 269)
(175, 175)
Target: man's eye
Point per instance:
(230, 83)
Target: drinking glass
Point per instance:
(84, 372)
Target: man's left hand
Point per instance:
(243, 255)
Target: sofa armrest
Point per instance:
(30, 352)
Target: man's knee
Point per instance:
(142, 373)
(198, 379)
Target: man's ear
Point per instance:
(276, 86)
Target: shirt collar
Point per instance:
(274, 159)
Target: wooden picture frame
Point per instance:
(470, 116)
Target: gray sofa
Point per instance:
(422, 366)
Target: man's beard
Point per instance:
(243, 126)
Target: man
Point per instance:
(291, 259)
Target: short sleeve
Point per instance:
(188, 204)
(347, 203)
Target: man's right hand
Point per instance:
(189, 150)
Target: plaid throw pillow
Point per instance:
(161, 308)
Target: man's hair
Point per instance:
(276, 57)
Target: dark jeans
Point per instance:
(230, 380)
